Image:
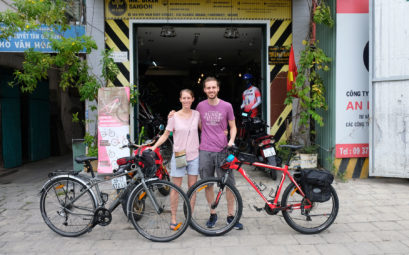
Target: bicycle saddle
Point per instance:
(83, 158)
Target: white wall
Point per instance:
(389, 88)
(95, 27)
(301, 18)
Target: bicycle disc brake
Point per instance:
(102, 216)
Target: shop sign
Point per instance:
(36, 39)
(119, 56)
(278, 55)
(198, 9)
(352, 79)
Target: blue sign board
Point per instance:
(36, 39)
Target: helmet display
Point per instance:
(247, 76)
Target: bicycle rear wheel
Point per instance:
(62, 216)
(154, 225)
(312, 220)
(201, 208)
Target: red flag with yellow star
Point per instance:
(292, 71)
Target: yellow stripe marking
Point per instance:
(279, 32)
(365, 169)
(281, 119)
(337, 163)
(124, 38)
(350, 168)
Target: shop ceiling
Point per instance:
(197, 49)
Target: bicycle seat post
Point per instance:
(90, 168)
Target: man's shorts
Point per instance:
(192, 168)
(209, 163)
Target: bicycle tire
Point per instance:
(302, 220)
(156, 226)
(137, 208)
(165, 190)
(60, 218)
(201, 210)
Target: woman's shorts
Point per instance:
(192, 168)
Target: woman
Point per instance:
(184, 125)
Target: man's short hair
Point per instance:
(211, 78)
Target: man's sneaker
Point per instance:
(237, 226)
(212, 221)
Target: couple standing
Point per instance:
(212, 116)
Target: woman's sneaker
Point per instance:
(237, 226)
(212, 221)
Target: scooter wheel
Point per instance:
(273, 174)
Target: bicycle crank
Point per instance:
(272, 211)
(102, 216)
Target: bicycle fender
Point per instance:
(69, 177)
(128, 203)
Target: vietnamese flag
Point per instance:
(292, 71)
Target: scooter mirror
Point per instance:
(128, 136)
(161, 127)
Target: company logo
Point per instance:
(117, 7)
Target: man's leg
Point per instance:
(206, 169)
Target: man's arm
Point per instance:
(233, 132)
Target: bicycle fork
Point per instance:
(220, 192)
(158, 209)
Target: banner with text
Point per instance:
(37, 39)
(352, 79)
(113, 126)
(198, 9)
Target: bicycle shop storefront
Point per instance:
(164, 46)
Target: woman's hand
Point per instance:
(171, 113)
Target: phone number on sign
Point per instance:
(352, 150)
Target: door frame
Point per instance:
(265, 68)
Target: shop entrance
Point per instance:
(165, 65)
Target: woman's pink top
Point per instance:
(182, 138)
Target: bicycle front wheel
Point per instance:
(164, 218)
(203, 195)
(63, 216)
(306, 217)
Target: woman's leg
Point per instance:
(174, 198)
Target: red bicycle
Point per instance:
(309, 203)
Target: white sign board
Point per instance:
(352, 81)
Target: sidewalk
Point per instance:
(373, 219)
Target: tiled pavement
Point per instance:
(373, 219)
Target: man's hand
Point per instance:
(171, 113)
(230, 144)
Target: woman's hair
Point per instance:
(187, 91)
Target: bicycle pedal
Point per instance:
(258, 209)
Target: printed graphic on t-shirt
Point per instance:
(213, 118)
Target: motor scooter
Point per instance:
(253, 138)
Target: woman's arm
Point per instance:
(161, 140)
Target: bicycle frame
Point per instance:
(236, 165)
(94, 182)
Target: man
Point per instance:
(215, 115)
